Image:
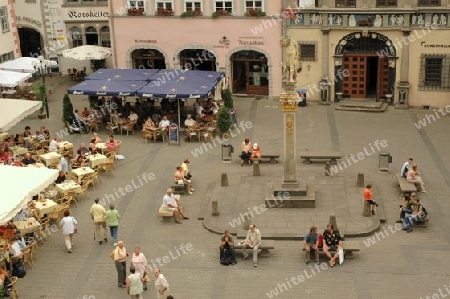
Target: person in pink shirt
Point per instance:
(112, 144)
(140, 263)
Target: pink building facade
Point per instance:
(155, 34)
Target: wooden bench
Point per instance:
(271, 158)
(332, 157)
(164, 214)
(421, 222)
(405, 186)
(348, 246)
(178, 189)
(265, 247)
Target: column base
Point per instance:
(289, 184)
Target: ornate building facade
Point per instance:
(394, 50)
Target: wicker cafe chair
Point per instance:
(13, 287)
(69, 198)
(93, 125)
(27, 257)
(111, 127)
(84, 188)
(108, 167)
(33, 246)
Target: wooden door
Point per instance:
(382, 78)
(355, 84)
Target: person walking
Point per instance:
(134, 283)
(112, 220)
(139, 262)
(161, 285)
(68, 224)
(98, 214)
(120, 260)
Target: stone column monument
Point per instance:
(289, 100)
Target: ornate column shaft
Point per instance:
(403, 85)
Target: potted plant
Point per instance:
(93, 101)
(39, 93)
(228, 102)
(221, 13)
(164, 11)
(224, 120)
(192, 14)
(67, 110)
(97, 64)
(133, 11)
(255, 13)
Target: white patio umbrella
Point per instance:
(13, 111)
(23, 65)
(87, 52)
(12, 79)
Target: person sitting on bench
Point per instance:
(227, 255)
(413, 177)
(405, 168)
(171, 204)
(252, 241)
(369, 198)
(419, 212)
(256, 152)
(246, 148)
(406, 207)
(331, 242)
(312, 242)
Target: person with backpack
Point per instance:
(419, 212)
(227, 256)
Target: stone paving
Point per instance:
(394, 265)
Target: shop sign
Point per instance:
(85, 14)
(29, 21)
(436, 46)
(145, 41)
(73, 14)
(251, 41)
(224, 42)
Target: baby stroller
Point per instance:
(77, 125)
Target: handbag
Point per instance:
(188, 176)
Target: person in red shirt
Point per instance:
(368, 197)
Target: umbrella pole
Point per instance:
(179, 122)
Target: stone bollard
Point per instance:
(367, 212)
(327, 169)
(332, 221)
(360, 180)
(215, 208)
(256, 171)
(224, 180)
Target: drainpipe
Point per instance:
(112, 36)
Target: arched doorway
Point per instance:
(365, 66)
(30, 42)
(249, 71)
(91, 36)
(148, 59)
(198, 59)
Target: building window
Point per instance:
(75, 35)
(307, 51)
(72, 1)
(30, 1)
(345, 3)
(255, 5)
(105, 37)
(223, 5)
(435, 72)
(136, 4)
(164, 4)
(386, 3)
(6, 57)
(4, 18)
(91, 36)
(193, 6)
(429, 2)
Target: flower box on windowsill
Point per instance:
(135, 11)
(191, 14)
(161, 12)
(221, 13)
(255, 13)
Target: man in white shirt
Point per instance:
(171, 204)
(253, 241)
(161, 284)
(63, 164)
(189, 125)
(164, 123)
(133, 117)
(53, 146)
(405, 167)
(98, 214)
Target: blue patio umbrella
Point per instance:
(107, 88)
(123, 74)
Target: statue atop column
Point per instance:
(291, 65)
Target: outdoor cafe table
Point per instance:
(46, 207)
(9, 93)
(50, 158)
(17, 150)
(64, 145)
(101, 146)
(27, 226)
(97, 159)
(67, 187)
(3, 136)
(81, 172)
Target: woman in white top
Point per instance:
(140, 263)
(68, 224)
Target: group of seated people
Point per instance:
(411, 211)
(412, 175)
(205, 110)
(82, 157)
(249, 152)
(192, 126)
(156, 130)
(183, 176)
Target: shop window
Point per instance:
(307, 51)
(255, 5)
(345, 3)
(192, 6)
(435, 72)
(223, 5)
(4, 18)
(105, 37)
(429, 2)
(75, 36)
(386, 3)
(91, 36)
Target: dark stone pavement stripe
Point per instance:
(251, 118)
(333, 129)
